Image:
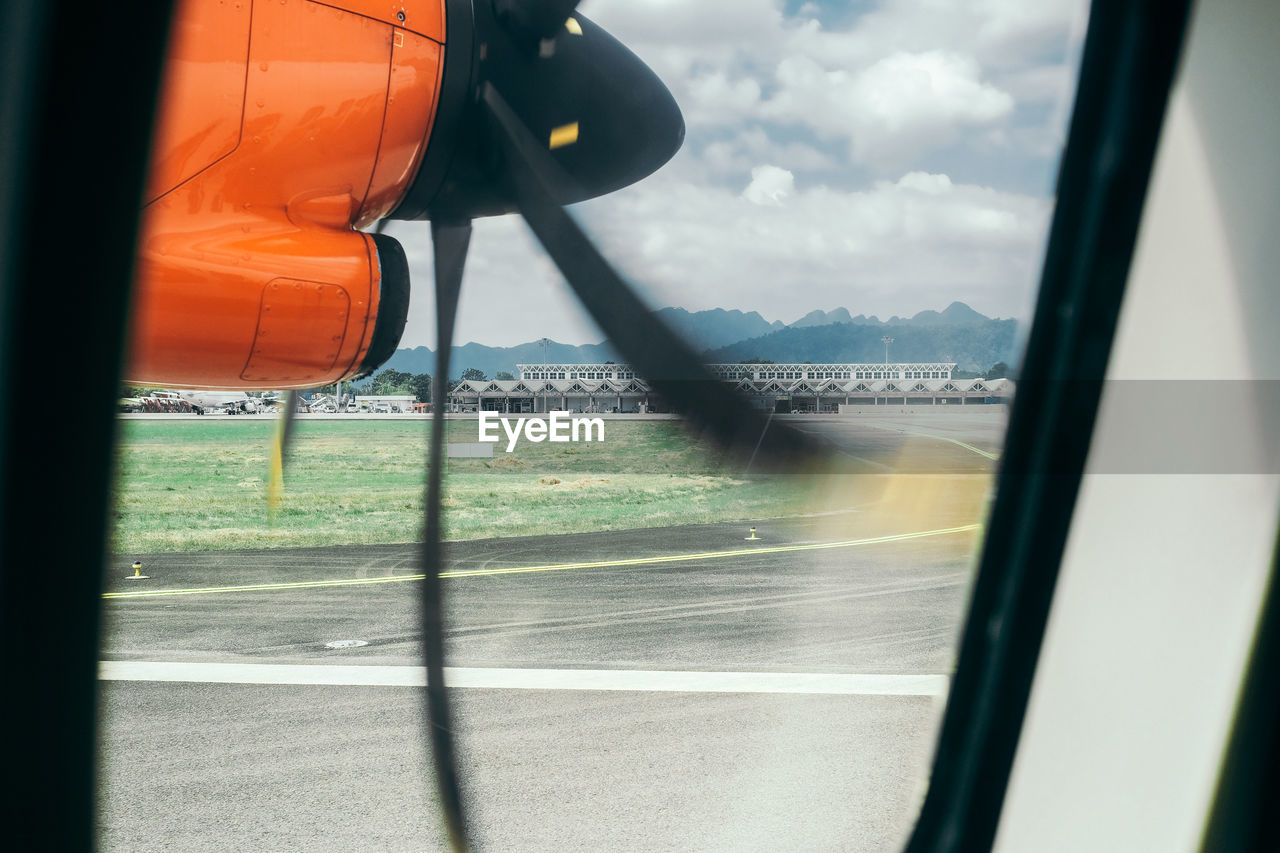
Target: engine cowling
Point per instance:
(282, 128)
(293, 308)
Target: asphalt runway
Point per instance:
(665, 689)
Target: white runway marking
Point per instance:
(528, 679)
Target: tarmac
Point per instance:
(681, 688)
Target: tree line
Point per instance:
(392, 382)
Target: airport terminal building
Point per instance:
(814, 388)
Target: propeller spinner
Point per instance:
(606, 118)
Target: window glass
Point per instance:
(654, 647)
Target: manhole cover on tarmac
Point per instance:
(345, 644)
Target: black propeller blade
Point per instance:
(280, 453)
(657, 353)
(449, 245)
(543, 112)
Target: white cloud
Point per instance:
(900, 105)
(926, 183)
(908, 77)
(998, 33)
(769, 185)
(701, 24)
(897, 246)
(715, 99)
(1039, 84)
(819, 168)
(737, 154)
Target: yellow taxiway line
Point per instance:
(995, 457)
(556, 567)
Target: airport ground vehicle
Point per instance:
(1191, 610)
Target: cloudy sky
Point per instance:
(886, 157)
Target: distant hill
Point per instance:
(717, 327)
(955, 314)
(823, 318)
(957, 333)
(713, 328)
(972, 346)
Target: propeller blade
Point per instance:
(657, 353)
(449, 245)
(279, 451)
(534, 19)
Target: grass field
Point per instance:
(200, 484)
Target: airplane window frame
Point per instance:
(81, 82)
(1240, 816)
(57, 159)
(1127, 70)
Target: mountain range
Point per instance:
(956, 334)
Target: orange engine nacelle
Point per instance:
(283, 127)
